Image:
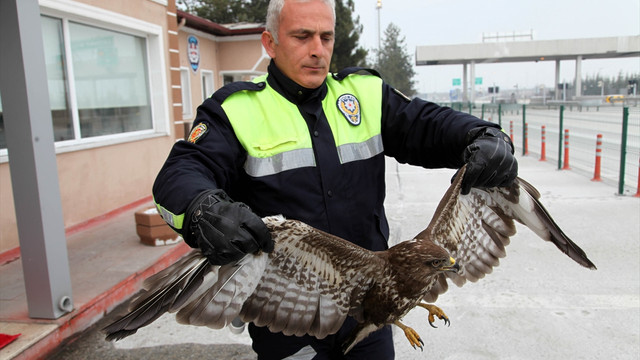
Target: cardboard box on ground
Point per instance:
(153, 230)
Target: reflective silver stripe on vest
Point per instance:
(280, 162)
(361, 151)
(299, 158)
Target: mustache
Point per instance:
(316, 64)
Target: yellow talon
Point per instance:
(412, 335)
(434, 312)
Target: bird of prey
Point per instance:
(312, 280)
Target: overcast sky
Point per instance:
(437, 22)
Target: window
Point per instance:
(55, 64)
(185, 85)
(110, 78)
(207, 84)
(227, 79)
(105, 76)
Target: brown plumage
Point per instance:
(313, 280)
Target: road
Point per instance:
(583, 126)
(538, 304)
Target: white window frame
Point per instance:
(158, 93)
(208, 83)
(185, 85)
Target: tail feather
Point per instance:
(360, 332)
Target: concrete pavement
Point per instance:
(538, 304)
(108, 264)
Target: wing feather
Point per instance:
(475, 228)
(223, 295)
(531, 213)
(308, 283)
(160, 292)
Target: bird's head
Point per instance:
(448, 265)
(422, 259)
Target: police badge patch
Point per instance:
(349, 106)
(197, 132)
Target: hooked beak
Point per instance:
(452, 267)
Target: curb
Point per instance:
(88, 314)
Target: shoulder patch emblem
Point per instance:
(197, 133)
(349, 106)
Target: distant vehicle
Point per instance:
(612, 99)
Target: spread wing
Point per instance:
(311, 282)
(475, 228)
(307, 285)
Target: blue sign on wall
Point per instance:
(193, 52)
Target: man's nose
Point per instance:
(316, 46)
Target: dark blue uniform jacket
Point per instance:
(343, 199)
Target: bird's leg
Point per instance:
(412, 335)
(434, 312)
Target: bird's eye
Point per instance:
(436, 263)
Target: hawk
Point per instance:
(313, 280)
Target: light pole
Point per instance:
(601, 84)
(378, 7)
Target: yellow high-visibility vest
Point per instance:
(276, 136)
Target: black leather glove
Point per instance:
(489, 158)
(224, 230)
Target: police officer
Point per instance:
(311, 146)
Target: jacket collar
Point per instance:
(291, 90)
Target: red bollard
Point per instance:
(526, 138)
(511, 130)
(566, 150)
(543, 146)
(596, 172)
(638, 193)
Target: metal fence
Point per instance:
(618, 125)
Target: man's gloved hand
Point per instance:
(224, 230)
(489, 158)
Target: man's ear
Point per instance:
(269, 43)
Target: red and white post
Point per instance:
(596, 172)
(526, 138)
(511, 130)
(638, 193)
(543, 145)
(566, 150)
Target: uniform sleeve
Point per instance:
(211, 162)
(422, 133)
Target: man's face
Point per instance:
(305, 42)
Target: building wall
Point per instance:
(208, 61)
(247, 52)
(100, 177)
(8, 229)
(241, 56)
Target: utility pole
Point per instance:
(378, 7)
